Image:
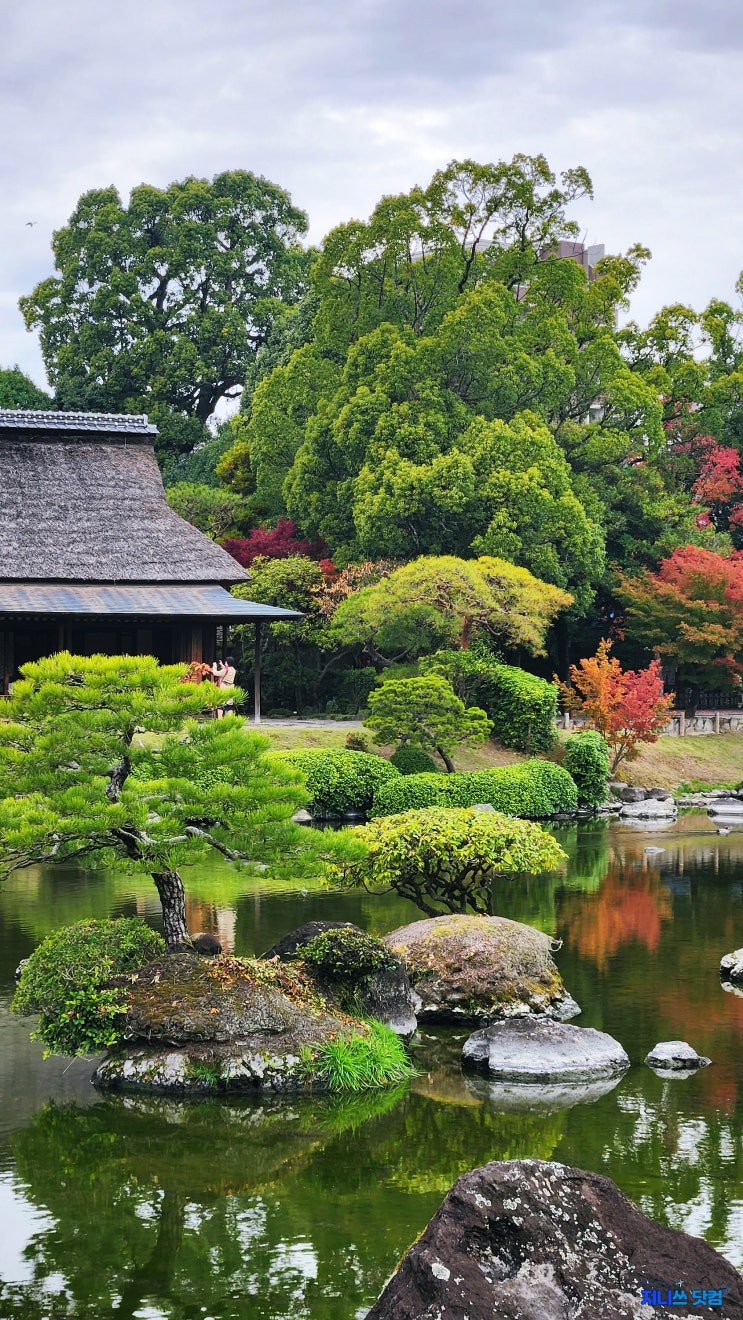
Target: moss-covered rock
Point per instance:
(194, 1025)
(477, 969)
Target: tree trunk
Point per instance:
(446, 759)
(173, 899)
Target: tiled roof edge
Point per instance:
(46, 420)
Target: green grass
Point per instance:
(360, 1063)
(301, 737)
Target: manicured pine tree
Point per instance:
(102, 759)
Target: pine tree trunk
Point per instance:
(173, 899)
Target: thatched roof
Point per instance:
(82, 500)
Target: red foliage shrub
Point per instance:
(273, 543)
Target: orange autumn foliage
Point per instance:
(627, 707)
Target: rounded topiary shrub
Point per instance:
(587, 760)
(445, 860)
(64, 981)
(342, 782)
(409, 793)
(346, 959)
(412, 760)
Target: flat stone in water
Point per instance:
(675, 1056)
(537, 1049)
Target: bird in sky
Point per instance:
(30, 223)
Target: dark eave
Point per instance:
(33, 599)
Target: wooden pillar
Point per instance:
(682, 724)
(717, 721)
(7, 649)
(257, 675)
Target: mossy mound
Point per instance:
(218, 1025)
(477, 969)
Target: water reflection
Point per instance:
(127, 1208)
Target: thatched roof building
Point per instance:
(92, 559)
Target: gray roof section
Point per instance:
(28, 599)
(86, 510)
(44, 421)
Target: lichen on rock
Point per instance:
(194, 1025)
(474, 969)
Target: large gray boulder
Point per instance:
(473, 970)
(195, 1025)
(529, 1240)
(536, 1049)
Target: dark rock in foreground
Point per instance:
(675, 1056)
(384, 993)
(540, 1050)
(528, 1240)
(474, 970)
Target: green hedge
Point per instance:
(521, 705)
(532, 790)
(413, 761)
(342, 781)
(587, 760)
(522, 708)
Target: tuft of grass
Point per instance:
(359, 1063)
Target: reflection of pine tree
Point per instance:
(154, 1278)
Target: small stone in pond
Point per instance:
(675, 1055)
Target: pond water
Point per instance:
(120, 1207)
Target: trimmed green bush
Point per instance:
(446, 860)
(340, 782)
(521, 706)
(587, 760)
(359, 1063)
(346, 958)
(411, 760)
(533, 790)
(64, 982)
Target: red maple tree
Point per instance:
(277, 542)
(626, 706)
(691, 613)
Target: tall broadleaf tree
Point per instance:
(163, 304)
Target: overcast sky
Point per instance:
(341, 101)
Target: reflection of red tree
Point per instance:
(712, 1021)
(630, 906)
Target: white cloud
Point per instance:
(341, 103)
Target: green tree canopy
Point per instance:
(164, 302)
(18, 390)
(440, 600)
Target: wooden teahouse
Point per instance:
(92, 559)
